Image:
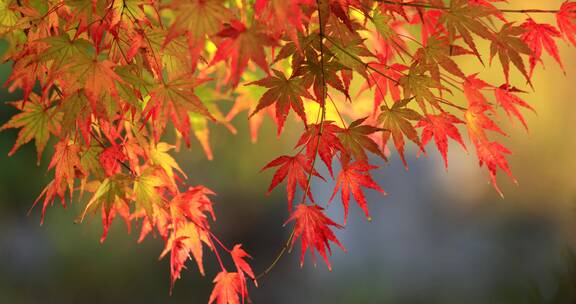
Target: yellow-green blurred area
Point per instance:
(438, 237)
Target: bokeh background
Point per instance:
(438, 237)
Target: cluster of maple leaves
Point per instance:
(106, 78)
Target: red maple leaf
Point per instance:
(228, 286)
(473, 87)
(313, 228)
(538, 36)
(441, 127)
(285, 93)
(238, 255)
(296, 168)
(566, 19)
(489, 153)
(111, 158)
(350, 180)
(492, 154)
(510, 102)
(241, 44)
(322, 139)
(385, 81)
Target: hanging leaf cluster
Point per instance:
(108, 82)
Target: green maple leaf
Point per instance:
(35, 121)
(63, 49)
(109, 192)
(146, 195)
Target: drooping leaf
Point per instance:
(35, 121)
(396, 123)
(440, 127)
(285, 93)
(241, 44)
(351, 179)
(322, 139)
(296, 168)
(509, 47)
(463, 19)
(238, 256)
(537, 37)
(505, 96)
(356, 140)
(314, 230)
(228, 289)
(566, 19)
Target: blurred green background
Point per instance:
(439, 237)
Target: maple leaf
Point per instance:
(8, 16)
(199, 18)
(159, 156)
(185, 240)
(323, 140)
(77, 116)
(430, 21)
(538, 36)
(313, 229)
(35, 121)
(464, 19)
(111, 158)
(67, 166)
(286, 93)
(241, 44)
(282, 16)
(314, 73)
(109, 196)
(508, 45)
(188, 215)
(356, 139)
(174, 100)
(389, 36)
(349, 54)
(509, 102)
(350, 180)
(489, 153)
(418, 85)
(238, 255)
(437, 54)
(146, 192)
(228, 286)
(396, 124)
(62, 49)
(440, 127)
(473, 87)
(385, 81)
(296, 168)
(566, 19)
(95, 76)
(477, 121)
